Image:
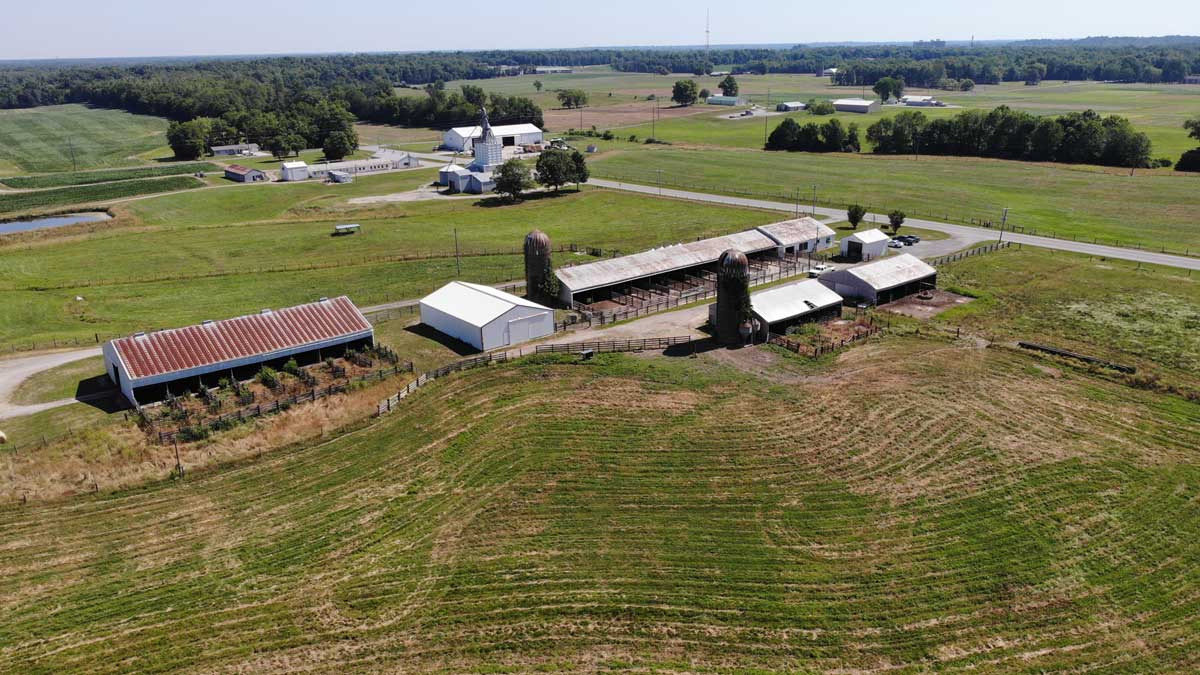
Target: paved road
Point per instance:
(959, 233)
(15, 371)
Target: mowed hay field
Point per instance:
(214, 253)
(938, 509)
(40, 140)
(1152, 210)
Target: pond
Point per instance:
(51, 221)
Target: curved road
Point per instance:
(15, 371)
(958, 232)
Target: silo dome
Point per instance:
(537, 243)
(733, 263)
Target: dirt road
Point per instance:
(15, 371)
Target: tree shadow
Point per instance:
(429, 333)
(498, 201)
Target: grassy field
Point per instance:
(90, 177)
(41, 140)
(55, 198)
(665, 515)
(178, 259)
(1150, 209)
(1143, 316)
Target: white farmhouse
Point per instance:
(484, 317)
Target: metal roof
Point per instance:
(454, 168)
(660, 260)
(796, 231)
(240, 170)
(215, 342)
(853, 101)
(241, 146)
(869, 236)
(475, 304)
(294, 165)
(892, 271)
(501, 130)
(788, 302)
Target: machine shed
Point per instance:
(463, 138)
(484, 317)
(884, 280)
(799, 234)
(146, 366)
(781, 307)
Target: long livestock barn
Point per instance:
(884, 280)
(680, 269)
(146, 366)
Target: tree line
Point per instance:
(1074, 138)
(829, 136)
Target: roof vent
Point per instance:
(323, 299)
(140, 334)
(206, 322)
(265, 311)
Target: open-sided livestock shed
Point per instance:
(145, 366)
(594, 278)
(485, 317)
(882, 281)
(781, 307)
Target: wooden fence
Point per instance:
(423, 379)
(1074, 355)
(969, 253)
(602, 346)
(822, 346)
(242, 414)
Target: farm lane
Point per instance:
(15, 371)
(958, 233)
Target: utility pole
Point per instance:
(1003, 220)
(71, 147)
(814, 211)
(178, 464)
(765, 116)
(659, 182)
(653, 118)
(457, 258)
(797, 202)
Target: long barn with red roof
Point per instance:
(146, 366)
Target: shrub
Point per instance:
(268, 378)
(1161, 163)
(291, 367)
(633, 138)
(1189, 161)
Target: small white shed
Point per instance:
(484, 317)
(865, 245)
(856, 105)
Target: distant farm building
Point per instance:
(290, 171)
(690, 265)
(1191, 79)
(146, 366)
(856, 105)
(725, 100)
(882, 281)
(354, 167)
(920, 101)
(243, 174)
(829, 72)
(341, 176)
(462, 139)
(553, 70)
(865, 245)
(484, 317)
(778, 309)
(790, 106)
(454, 177)
(237, 149)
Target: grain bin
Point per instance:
(733, 296)
(540, 282)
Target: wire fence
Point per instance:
(388, 403)
(981, 250)
(800, 200)
(608, 346)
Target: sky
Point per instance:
(120, 28)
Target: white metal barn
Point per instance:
(484, 317)
(462, 138)
(865, 245)
(290, 171)
(798, 235)
(781, 307)
(884, 280)
(856, 105)
(790, 106)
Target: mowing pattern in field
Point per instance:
(90, 177)
(945, 509)
(13, 202)
(39, 140)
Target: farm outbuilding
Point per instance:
(484, 317)
(461, 139)
(454, 177)
(882, 281)
(355, 167)
(290, 171)
(913, 100)
(865, 245)
(725, 100)
(782, 307)
(799, 235)
(236, 149)
(242, 174)
(856, 105)
(146, 366)
(790, 106)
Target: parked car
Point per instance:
(895, 243)
(818, 269)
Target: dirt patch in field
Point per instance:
(613, 116)
(926, 305)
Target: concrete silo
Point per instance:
(540, 282)
(733, 323)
